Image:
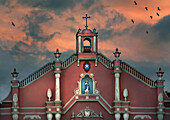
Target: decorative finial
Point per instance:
(94, 30)
(125, 93)
(160, 74)
(49, 94)
(117, 53)
(57, 54)
(14, 74)
(86, 20)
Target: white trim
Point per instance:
(68, 101)
(8, 108)
(24, 108)
(37, 113)
(5, 113)
(79, 38)
(94, 42)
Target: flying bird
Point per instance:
(135, 2)
(151, 17)
(157, 14)
(159, 9)
(146, 8)
(147, 32)
(132, 21)
(13, 24)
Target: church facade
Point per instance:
(86, 86)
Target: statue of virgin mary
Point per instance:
(87, 88)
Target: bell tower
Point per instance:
(86, 40)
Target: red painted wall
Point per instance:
(139, 94)
(35, 94)
(103, 76)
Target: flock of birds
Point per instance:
(146, 8)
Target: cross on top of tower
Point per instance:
(86, 20)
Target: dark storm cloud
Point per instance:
(5, 2)
(98, 9)
(161, 30)
(73, 30)
(33, 29)
(71, 18)
(88, 3)
(115, 20)
(66, 54)
(8, 63)
(105, 34)
(26, 64)
(56, 5)
(140, 30)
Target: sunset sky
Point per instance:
(42, 26)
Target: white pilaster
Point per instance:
(117, 89)
(94, 46)
(57, 88)
(79, 38)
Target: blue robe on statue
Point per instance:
(87, 87)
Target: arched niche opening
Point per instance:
(87, 85)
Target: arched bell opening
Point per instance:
(87, 47)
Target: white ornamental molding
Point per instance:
(15, 116)
(117, 116)
(142, 117)
(15, 98)
(160, 116)
(125, 93)
(37, 117)
(49, 94)
(125, 116)
(49, 116)
(57, 116)
(160, 98)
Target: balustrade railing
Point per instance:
(137, 74)
(48, 67)
(104, 60)
(69, 61)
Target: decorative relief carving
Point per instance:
(160, 98)
(87, 113)
(15, 99)
(37, 117)
(142, 117)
